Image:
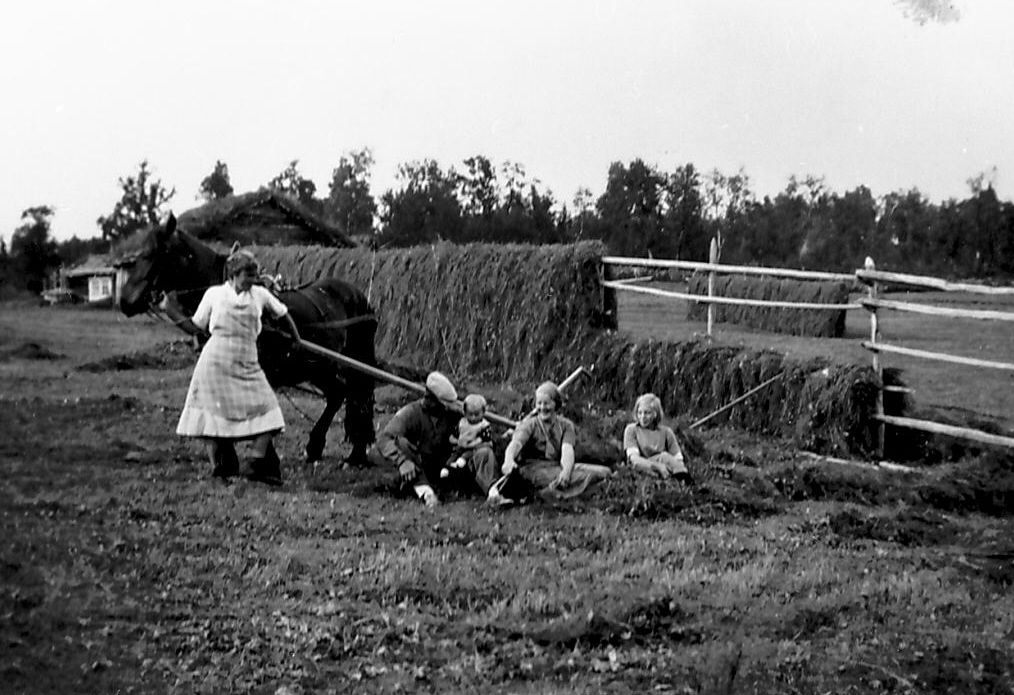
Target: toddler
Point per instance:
(473, 430)
(650, 446)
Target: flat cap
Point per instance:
(441, 387)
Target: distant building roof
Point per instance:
(204, 220)
(95, 264)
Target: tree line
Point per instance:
(644, 211)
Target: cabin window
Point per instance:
(99, 287)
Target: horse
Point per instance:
(329, 312)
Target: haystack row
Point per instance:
(819, 323)
(495, 311)
(521, 313)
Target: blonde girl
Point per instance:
(650, 446)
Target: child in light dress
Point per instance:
(473, 431)
(650, 446)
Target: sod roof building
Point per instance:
(263, 217)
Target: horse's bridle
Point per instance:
(153, 292)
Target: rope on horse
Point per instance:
(296, 407)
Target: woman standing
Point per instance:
(229, 398)
(542, 449)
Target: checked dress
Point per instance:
(229, 396)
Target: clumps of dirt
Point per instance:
(996, 565)
(803, 621)
(907, 527)
(954, 668)
(364, 482)
(984, 485)
(29, 351)
(174, 354)
(832, 483)
(628, 493)
(661, 619)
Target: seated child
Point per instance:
(473, 430)
(650, 446)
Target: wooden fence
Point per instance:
(868, 276)
(873, 278)
(713, 268)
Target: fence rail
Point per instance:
(629, 286)
(950, 312)
(940, 356)
(951, 430)
(870, 275)
(727, 269)
(872, 278)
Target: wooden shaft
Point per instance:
(571, 379)
(387, 376)
(742, 398)
(564, 384)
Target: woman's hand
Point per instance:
(562, 480)
(408, 471)
(293, 331)
(508, 467)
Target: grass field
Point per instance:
(126, 569)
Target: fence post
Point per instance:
(712, 259)
(878, 368)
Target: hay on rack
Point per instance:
(821, 323)
(818, 405)
(513, 313)
(498, 310)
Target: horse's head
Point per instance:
(166, 260)
(143, 266)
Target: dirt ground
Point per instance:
(125, 568)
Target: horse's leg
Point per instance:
(359, 419)
(318, 434)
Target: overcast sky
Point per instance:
(852, 90)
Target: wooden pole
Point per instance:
(878, 368)
(713, 260)
(387, 376)
(869, 275)
(565, 384)
(930, 310)
(736, 269)
(742, 398)
(941, 356)
(950, 430)
(571, 379)
(732, 301)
